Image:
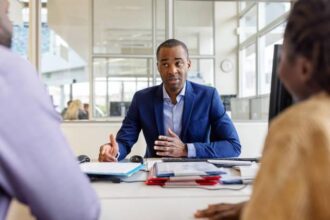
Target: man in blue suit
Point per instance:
(178, 118)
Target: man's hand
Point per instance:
(170, 146)
(221, 211)
(108, 152)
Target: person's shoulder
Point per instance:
(200, 89)
(7, 55)
(12, 61)
(309, 114)
(300, 127)
(148, 91)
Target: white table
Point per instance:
(139, 201)
(142, 202)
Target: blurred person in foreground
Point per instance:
(37, 166)
(293, 180)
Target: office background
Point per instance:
(102, 51)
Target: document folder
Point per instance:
(171, 169)
(153, 179)
(111, 168)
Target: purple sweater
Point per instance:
(37, 166)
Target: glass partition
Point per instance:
(196, 27)
(266, 52)
(64, 54)
(122, 26)
(270, 11)
(248, 24)
(115, 82)
(248, 70)
(19, 16)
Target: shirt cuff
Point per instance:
(118, 155)
(191, 150)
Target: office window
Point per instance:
(202, 71)
(124, 42)
(19, 16)
(270, 11)
(266, 52)
(244, 4)
(115, 82)
(248, 24)
(196, 27)
(122, 26)
(118, 39)
(248, 71)
(270, 29)
(64, 54)
(256, 53)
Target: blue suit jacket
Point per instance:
(204, 122)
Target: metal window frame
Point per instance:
(213, 55)
(254, 39)
(34, 46)
(107, 56)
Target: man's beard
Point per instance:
(5, 37)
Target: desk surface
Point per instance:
(139, 201)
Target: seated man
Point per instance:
(178, 118)
(293, 180)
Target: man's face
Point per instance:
(5, 24)
(173, 66)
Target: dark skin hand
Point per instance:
(170, 146)
(222, 211)
(109, 151)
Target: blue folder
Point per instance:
(111, 168)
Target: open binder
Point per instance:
(183, 174)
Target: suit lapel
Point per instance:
(158, 109)
(189, 99)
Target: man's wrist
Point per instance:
(191, 150)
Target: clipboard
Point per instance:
(110, 168)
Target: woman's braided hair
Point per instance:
(308, 34)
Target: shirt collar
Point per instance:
(181, 94)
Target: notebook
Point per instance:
(111, 168)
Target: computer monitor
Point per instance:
(119, 108)
(279, 98)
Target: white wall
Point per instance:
(85, 138)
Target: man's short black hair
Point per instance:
(172, 43)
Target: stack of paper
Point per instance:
(200, 173)
(248, 174)
(229, 163)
